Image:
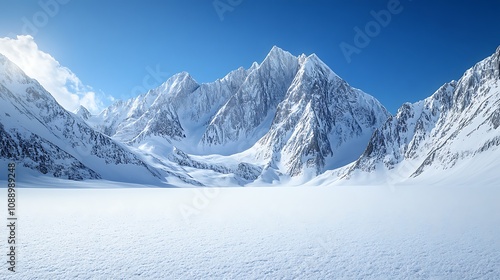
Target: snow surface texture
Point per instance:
(410, 232)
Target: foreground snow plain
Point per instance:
(100, 230)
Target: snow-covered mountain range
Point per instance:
(286, 118)
(454, 132)
(37, 132)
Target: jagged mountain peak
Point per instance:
(47, 139)
(313, 65)
(27, 90)
(299, 100)
(458, 122)
(241, 71)
(287, 116)
(82, 112)
(182, 76)
(482, 72)
(247, 114)
(10, 73)
(319, 116)
(314, 60)
(177, 81)
(314, 57)
(277, 51)
(254, 66)
(277, 57)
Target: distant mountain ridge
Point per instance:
(39, 134)
(288, 117)
(458, 122)
(289, 113)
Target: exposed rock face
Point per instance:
(288, 116)
(456, 123)
(39, 134)
(289, 111)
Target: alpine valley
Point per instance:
(285, 121)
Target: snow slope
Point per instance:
(408, 232)
(322, 123)
(287, 115)
(285, 121)
(37, 133)
(451, 128)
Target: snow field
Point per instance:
(377, 232)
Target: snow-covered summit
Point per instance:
(40, 135)
(440, 134)
(286, 118)
(283, 103)
(322, 122)
(83, 113)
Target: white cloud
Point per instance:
(63, 84)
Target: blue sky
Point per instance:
(113, 46)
